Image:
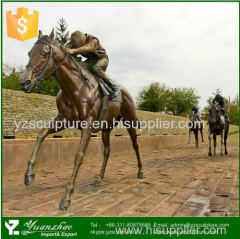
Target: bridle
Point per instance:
(42, 71)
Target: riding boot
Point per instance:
(225, 115)
(99, 68)
(110, 83)
(226, 118)
(115, 89)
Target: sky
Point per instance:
(176, 44)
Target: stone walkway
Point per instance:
(178, 181)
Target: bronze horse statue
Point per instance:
(77, 100)
(194, 126)
(217, 125)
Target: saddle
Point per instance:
(91, 79)
(223, 113)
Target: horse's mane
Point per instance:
(54, 42)
(69, 58)
(57, 43)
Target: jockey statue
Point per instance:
(195, 111)
(220, 100)
(97, 59)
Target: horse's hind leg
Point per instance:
(189, 135)
(196, 138)
(133, 135)
(201, 131)
(128, 112)
(106, 143)
(225, 142)
(210, 143)
(43, 133)
(222, 138)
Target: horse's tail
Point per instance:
(139, 124)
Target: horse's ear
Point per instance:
(51, 36)
(40, 35)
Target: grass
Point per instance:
(233, 132)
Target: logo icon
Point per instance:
(11, 225)
(22, 26)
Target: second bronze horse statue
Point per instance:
(194, 126)
(77, 100)
(217, 125)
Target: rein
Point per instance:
(41, 72)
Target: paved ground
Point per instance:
(178, 181)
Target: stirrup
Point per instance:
(114, 95)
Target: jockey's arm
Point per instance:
(87, 48)
(69, 46)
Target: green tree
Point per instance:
(157, 97)
(10, 77)
(10, 80)
(152, 98)
(62, 34)
(233, 111)
(181, 100)
(233, 114)
(48, 87)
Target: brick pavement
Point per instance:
(179, 181)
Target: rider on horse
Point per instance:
(220, 100)
(195, 111)
(97, 58)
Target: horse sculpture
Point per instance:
(77, 100)
(217, 125)
(194, 126)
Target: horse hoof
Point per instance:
(64, 204)
(29, 179)
(140, 175)
(96, 183)
(221, 154)
(226, 152)
(209, 154)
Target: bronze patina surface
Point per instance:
(77, 100)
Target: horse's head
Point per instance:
(214, 114)
(41, 62)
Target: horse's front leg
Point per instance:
(189, 136)
(222, 144)
(215, 144)
(43, 133)
(210, 143)
(225, 141)
(85, 138)
(201, 131)
(196, 138)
